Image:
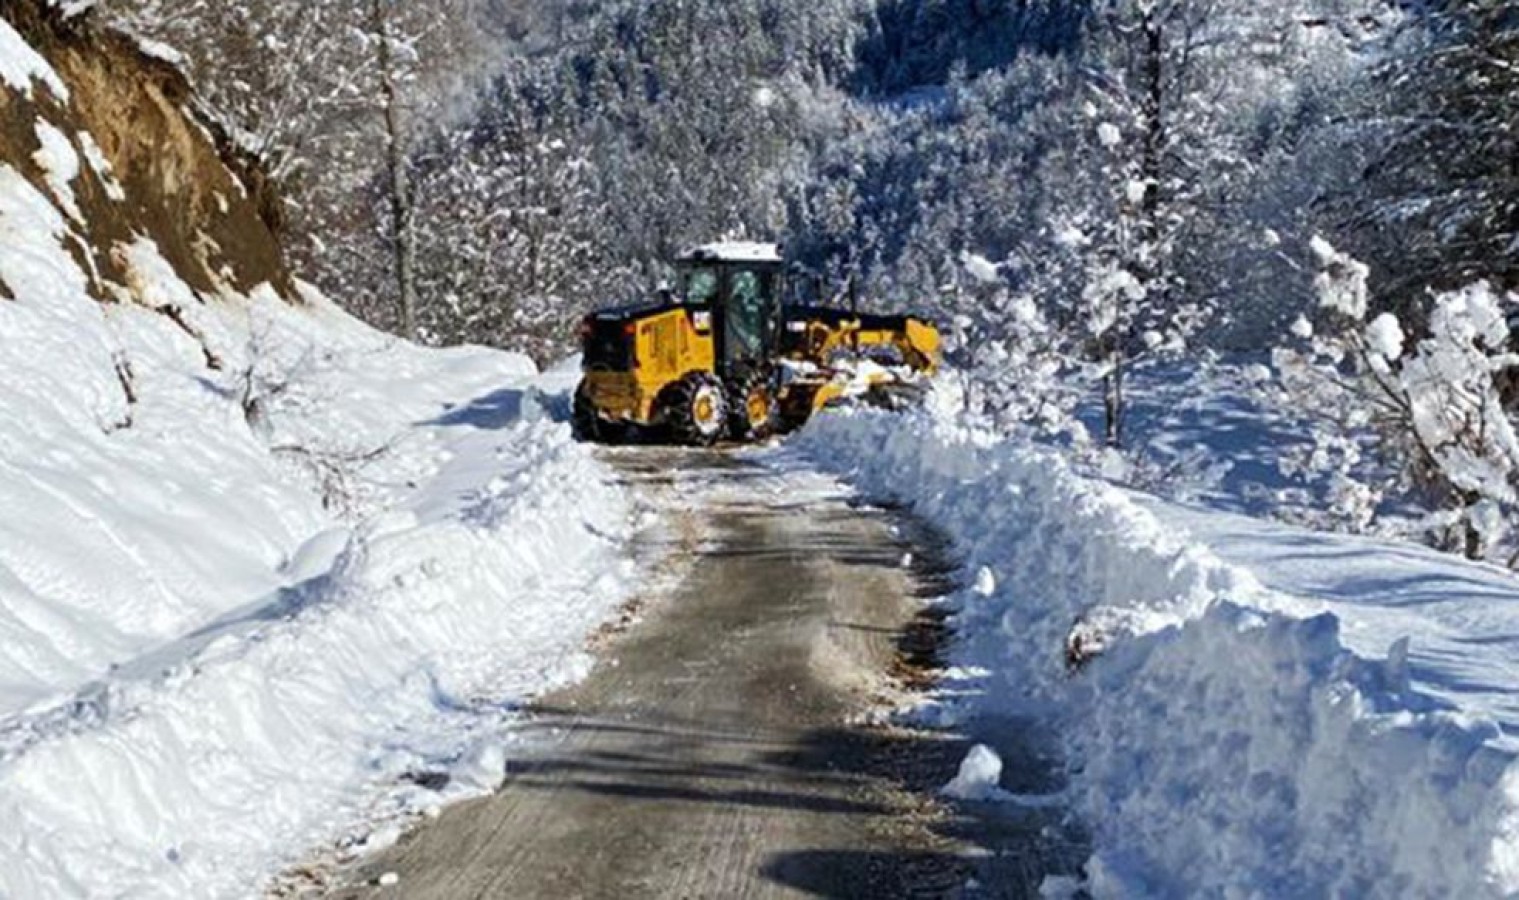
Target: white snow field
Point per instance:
(1274, 712)
(241, 603)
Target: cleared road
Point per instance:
(721, 748)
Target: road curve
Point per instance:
(719, 749)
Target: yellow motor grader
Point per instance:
(720, 355)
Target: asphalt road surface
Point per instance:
(729, 743)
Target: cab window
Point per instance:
(748, 315)
(701, 287)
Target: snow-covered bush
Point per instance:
(1020, 373)
(1435, 410)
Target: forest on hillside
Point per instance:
(1079, 191)
(345, 552)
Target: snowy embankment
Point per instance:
(207, 668)
(1230, 737)
(207, 671)
(265, 575)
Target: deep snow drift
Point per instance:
(1250, 719)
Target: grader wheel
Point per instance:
(589, 427)
(755, 412)
(696, 409)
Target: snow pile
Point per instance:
(978, 778)
(205, 667)
(1225, 738)
(1099, 556)
(279, 725)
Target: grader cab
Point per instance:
(721, 355)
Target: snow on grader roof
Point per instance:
(734, 251)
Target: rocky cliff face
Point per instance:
(109, 132)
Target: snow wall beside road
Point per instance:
(1224, 742)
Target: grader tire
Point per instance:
(754, 414)
(695, 409)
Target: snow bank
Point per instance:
(265, 574)
(284, 723)
(1223, 739)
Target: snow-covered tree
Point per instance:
(1018, 360)
(1148, 138)
(1440, 205)
(1434, 407)
(513, 250)
(334, 98)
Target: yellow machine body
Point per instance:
(666, 345)
(715, 349)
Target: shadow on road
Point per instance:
(838, 873)
(738, 740)
(873, 777)
(880, 776)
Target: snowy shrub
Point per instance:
(1188, 476)
(1434, 410)
(1021, 373)
(1009, 364)
(280, 383)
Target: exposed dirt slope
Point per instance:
(173, 176)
